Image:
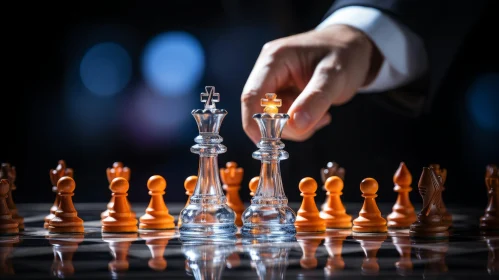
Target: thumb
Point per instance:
(324, 89)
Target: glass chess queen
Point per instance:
(269, 216)
(207, 214)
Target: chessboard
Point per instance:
(35, 254)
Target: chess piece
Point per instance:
(490, 221)
(371, 245)
(157, 216)
(7, 224)
(120, 219)
(269, 215)
(118, 170)
(334, 213)
(403, 214)
(308, 218)
(332, 169)
(231, 179)
(253, 185)
(369, 220)
(430, 221)
(55, 174)
(119, 245)
(157, 242)
(189, 185)
(207, 215)
(6, 248)
(64, 248)
(309, 244)
(334, 247)
(9, 172)
(442, 172)
(402, 243)
(66, 218)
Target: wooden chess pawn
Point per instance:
(64, 248)
(371, 245)
(7, 224)
(370, 219)
(334, 247)
(55, 174)
(189, 185)
(334, 213)
(332, 169)
(120, 219)
(118, 170)
(309, 244)
(403, 214)
(308, 217)
(157, 216)
(253, 185)
(9, 172)
(157, 242)
(66, 218)
(490, 221)
(6, 248)
(232, 177)
(442, 172)
(430, 221)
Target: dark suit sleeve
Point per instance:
(442, 25)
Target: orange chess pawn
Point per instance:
(157, 216)
(55, 175)
(120, 219)
(66, 218)
(308, 218)
(369, 220)
(118, 170)
(333, 212)
(253, 185)
(403, 214)
(7, 224)
(189, 185)
(231, 179)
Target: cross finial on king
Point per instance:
(271, 103)
(210, 97)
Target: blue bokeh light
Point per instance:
(106, 69)
(173, 63)
(483, 101)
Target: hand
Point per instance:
(310, 72)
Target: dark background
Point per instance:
(53, 115)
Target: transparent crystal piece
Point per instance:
(269, 216)
(207, 214)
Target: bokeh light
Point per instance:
(483, 101)
(106, 69)
(173, 63)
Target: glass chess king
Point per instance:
(269, 216)
(207, 214)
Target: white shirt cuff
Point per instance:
(403, 51)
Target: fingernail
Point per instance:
(302, 120)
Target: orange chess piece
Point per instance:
(309, 245)
(189, 185)
(55, 174)
(118, 170)
(369, 219)
(308, 218)
(157, 216)
(253, 185)
(371, 245)
(64, 248)
(120, 219)
(9, 172)
(403, 214)
(66, 218)
(157, 242)
(490, 220)
(7, 224)
(333, 212)
(231, 179)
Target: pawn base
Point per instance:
(269, 221)
(119, 229)
(157, 226)
(9, 231)
(370, 229)
(69, 229)
(310, 227)
(207, 221)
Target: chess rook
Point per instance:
(334, 213)
(66, 218)
(403, 214)
(370, 219)
(207, 215)
(7, 224)
(232, 177)
(269, 215)
(157, 215)
(120, 219)
(55, 174)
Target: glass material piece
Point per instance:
(207, 214)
